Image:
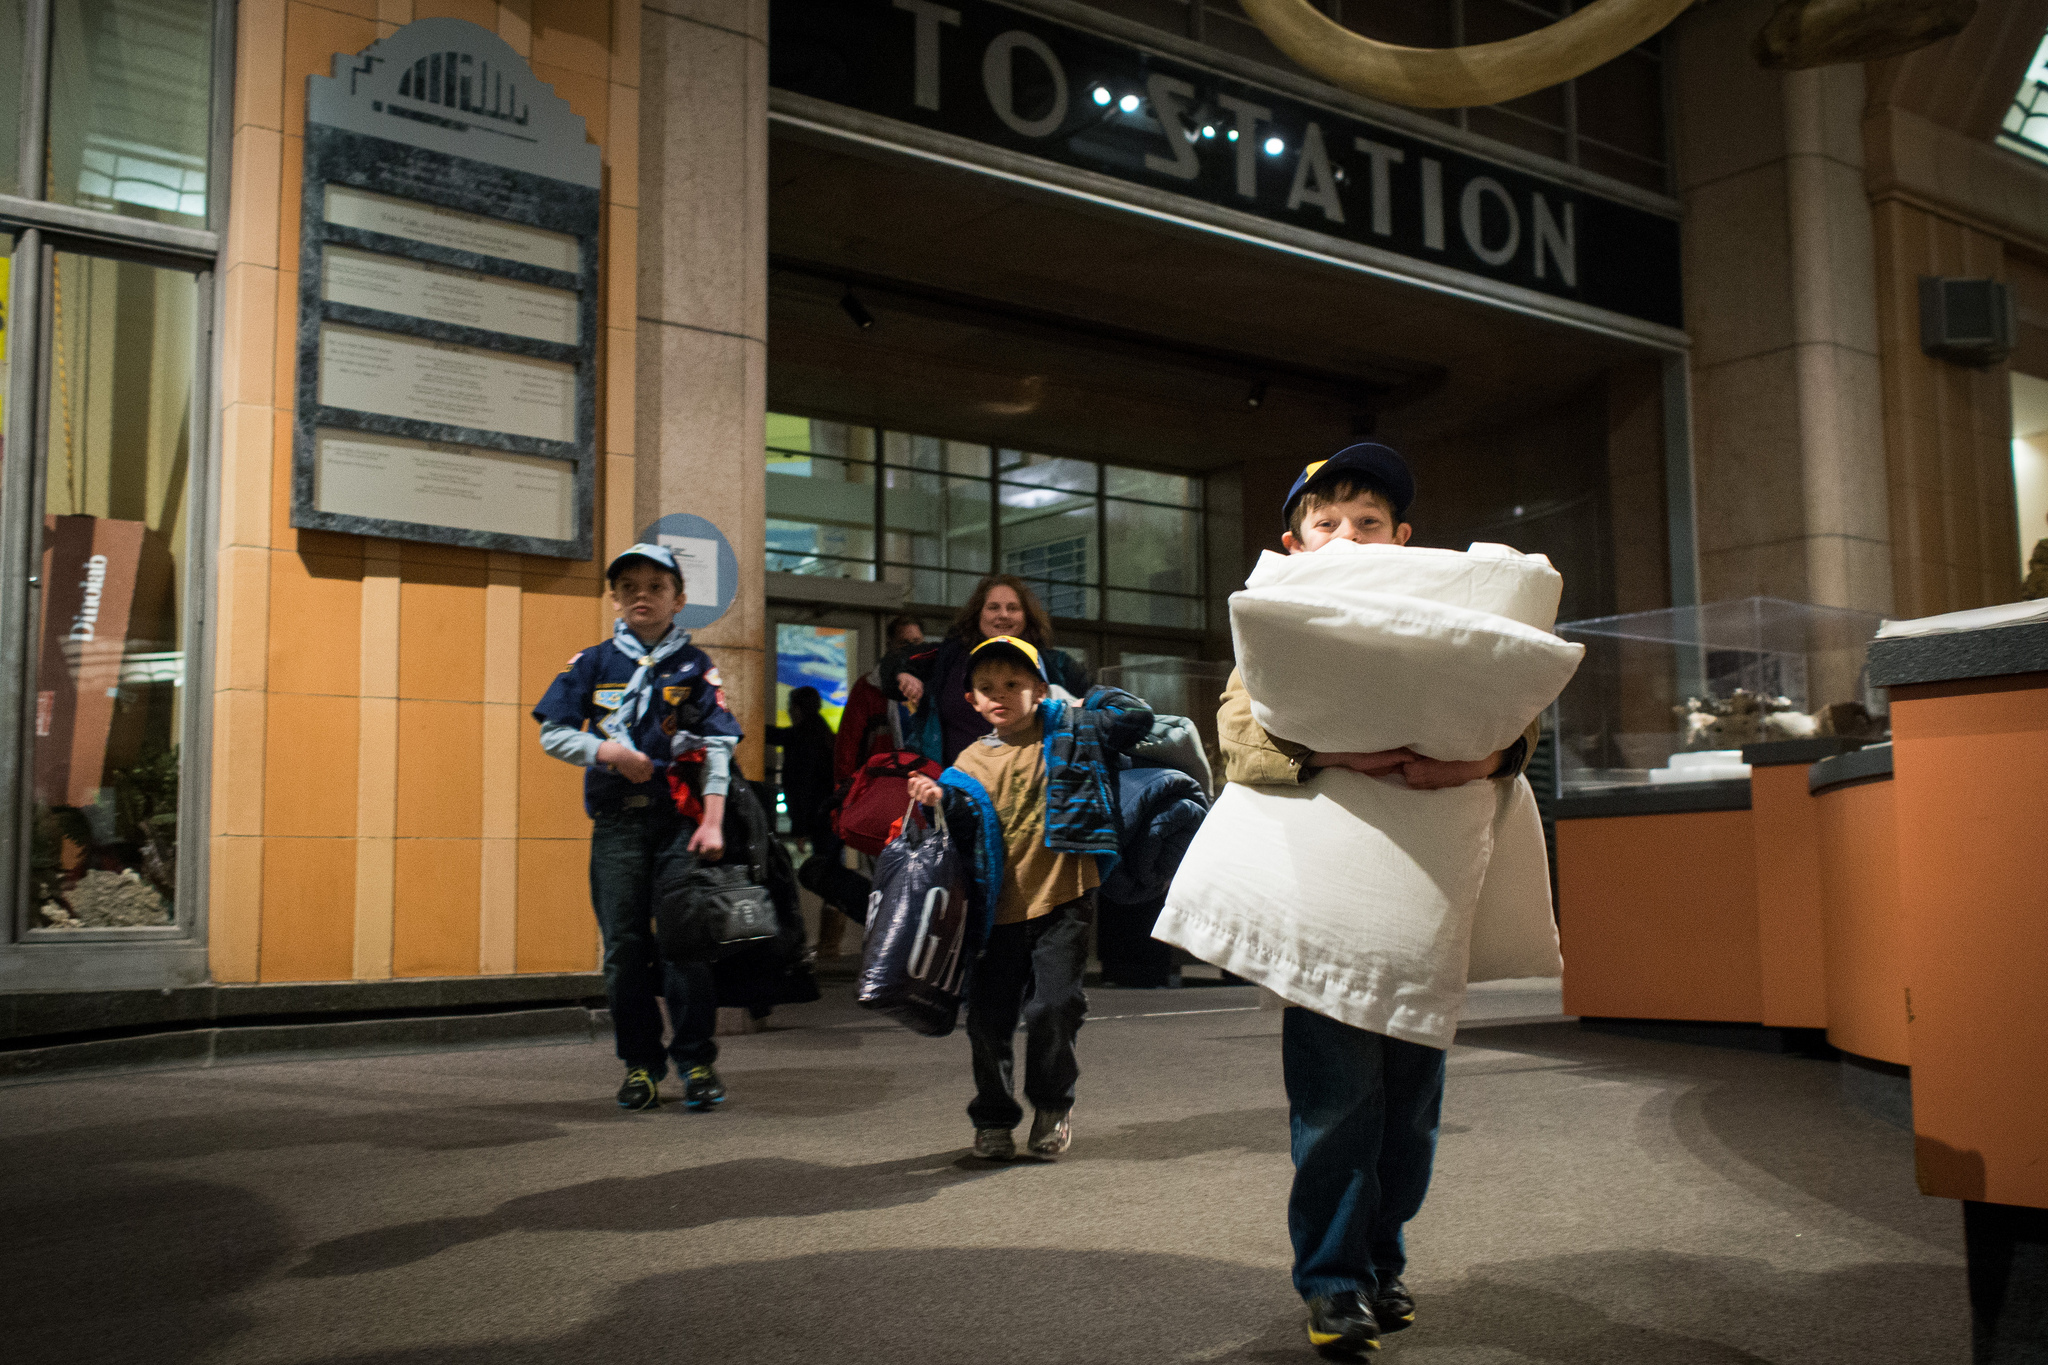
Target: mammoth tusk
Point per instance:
(1461, 77)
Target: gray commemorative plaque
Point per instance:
(447, 341)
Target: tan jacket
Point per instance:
(1258, 759)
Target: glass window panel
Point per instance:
(932, 587)
(934, 454)
(792, 438)
(130, 101)
(1065, 598)
(1154, 609)
(13, 36)
(1150, 486)
(819, 507)
(1155, 548)
(1621, 103)
(934, 521)
(809, 548)
(1046, 471)
(111, 663)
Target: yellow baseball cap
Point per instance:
(1011, 643)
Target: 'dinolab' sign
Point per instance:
(1008, 78)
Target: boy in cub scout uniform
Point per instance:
(635, 711)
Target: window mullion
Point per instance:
(35, 96)
(20, 580)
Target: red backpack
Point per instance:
(876, 796)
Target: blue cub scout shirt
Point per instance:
(688, 699)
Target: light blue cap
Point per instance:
(658, 555)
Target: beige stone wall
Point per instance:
(381, 807)
(1779, 299)
(702, 368)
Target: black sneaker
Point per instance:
(1342, 1327)
(1393, 1305)
(702, 1089)
(641, 1090)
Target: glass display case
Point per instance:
(1673, 696)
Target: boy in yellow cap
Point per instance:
(1035, 796)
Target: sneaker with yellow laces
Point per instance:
(641, 1090)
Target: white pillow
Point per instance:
(1370, 647)
(1367, 902)
(1487, 577)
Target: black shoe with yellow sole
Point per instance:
(1342, 1326)
(1393, 1305)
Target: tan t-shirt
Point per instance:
(1036, 879)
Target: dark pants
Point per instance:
(1044, 958)
(628, 851)
(1364, 1113)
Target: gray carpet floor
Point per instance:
(1597, 1199)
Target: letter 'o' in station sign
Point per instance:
(447, 299)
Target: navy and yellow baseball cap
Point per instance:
(1376, 464)
(660, 556)
(1008, 647)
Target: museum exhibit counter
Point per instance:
(1852, 810)
(1970, 739)
(1657, 900)
(1791, 935)
(1688, 846)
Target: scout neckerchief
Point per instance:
(619, 725)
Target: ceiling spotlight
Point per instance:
(851, 306)
(1256, 396)
(1274, 146)
(1129, 104)
(1101, 94)
(1231, 136)
(1208, 130)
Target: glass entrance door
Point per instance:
(108, 513)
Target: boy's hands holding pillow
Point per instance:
(1423, 774)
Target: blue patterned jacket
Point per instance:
(1080, 791)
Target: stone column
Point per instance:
(702, 371)
(1781, 303)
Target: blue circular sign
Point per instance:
(711, 572)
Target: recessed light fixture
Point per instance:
(1101, 95)
(1274, 146)
(1129, 104)
(1256, 396)
(851, 306)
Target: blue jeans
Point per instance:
(628, 849)
(1364, 1110)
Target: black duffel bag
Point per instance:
(712, 911)
(920, 930)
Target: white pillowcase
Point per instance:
(1367, 902)
(1359, 648)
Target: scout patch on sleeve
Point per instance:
(711, 676)
(675, 696)
(609, 697)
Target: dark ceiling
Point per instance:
(1028, 319)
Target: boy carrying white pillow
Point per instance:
(1364, 1103)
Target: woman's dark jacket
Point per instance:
(944, 723)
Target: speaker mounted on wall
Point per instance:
(1966, 322)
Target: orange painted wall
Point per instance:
(1866, 950)
(1658, 914)
(1791, 950)
(380, 806)
(1972, 785)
